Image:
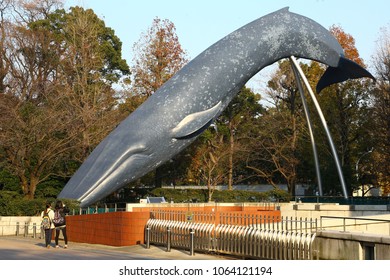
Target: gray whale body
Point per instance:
(179, 111)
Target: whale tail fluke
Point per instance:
(347, 69)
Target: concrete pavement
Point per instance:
(28, 248)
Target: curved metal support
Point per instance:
(309, 124)
(317, 105)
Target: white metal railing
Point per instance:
(354, 224)
(22, 229)
(239, 240)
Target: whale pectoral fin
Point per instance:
(347, 69)
(194, 124)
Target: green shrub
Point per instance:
(14, 204)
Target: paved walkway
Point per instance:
(28, 248)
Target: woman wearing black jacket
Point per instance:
(60, 222)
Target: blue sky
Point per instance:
(201, 23)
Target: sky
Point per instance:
(201, 23)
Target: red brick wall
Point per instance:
(115, 229)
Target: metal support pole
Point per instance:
(341, 177)
(34, 230)
(25, 229)
(147, 237)
(309, 124)
(192, 233)
(168, 239)
(17, 228)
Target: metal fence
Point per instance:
(355, 224)
(251, 236)
(22, 229)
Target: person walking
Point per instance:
(60, 222)
(47, 216)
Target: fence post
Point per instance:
(34, 230)
(17, 229)
(192, 233)
(25, 229)
(168, 239)
(147, 237)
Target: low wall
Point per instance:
(9, 225)
(316, 210)
(334, 245)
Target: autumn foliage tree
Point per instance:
(158, 55)
(345, 107)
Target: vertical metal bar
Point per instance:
(192, 233)
(306, 224)
(17, 229)
(300, 224)
(147, 237)
(34, 230)
(25, 229)
(336, 159)
(168, 239)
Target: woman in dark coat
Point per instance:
(60, 222)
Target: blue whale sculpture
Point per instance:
(179, 111)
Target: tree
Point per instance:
(345, 106)
(241, 112)
(210, 161)
(5, 6)
(380, 131)
(32, 137)
(58, 100)
(158, 55)
(91, 64)
(275, 156)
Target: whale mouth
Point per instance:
(134, 155)
(114, 175)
